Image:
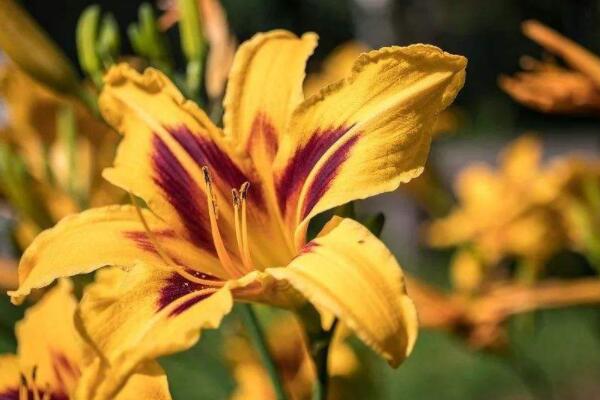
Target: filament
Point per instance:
(240, 226)
(23, 392)
(222, 253)
(245, 245)
(180, 270)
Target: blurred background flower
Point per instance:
(509, 260)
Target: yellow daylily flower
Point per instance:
(500, 211)
(504, 212)
(282, 159)
(290, 353)
(524, 209)
(550, 88)
(53, 361)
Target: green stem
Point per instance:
(319, 341)
(320, 354)
(260, 343)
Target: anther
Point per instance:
(32, 385)
(23, 391)
(236, 215)
(222, 253)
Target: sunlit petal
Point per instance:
(136, 315)
(366, 134)
(348, 272)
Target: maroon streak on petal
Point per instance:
(326, 174)
(303, 161)
(63, 370)
(13, 394)
(10, 394)
(205, 152)
(177, 286)
(183, 194)
(307, 248)
(263, 133)
(143, 242)
(189, 303)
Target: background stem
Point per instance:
(321, 357)
(259, 341)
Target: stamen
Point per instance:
(194, 279)
(23, 391)
(236, 216)
(47, 394)
(222, 253)
(246, 247)
(28, 385)
(237, 203)
(33, 385)
(166, 258)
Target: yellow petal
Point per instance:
(9, 376)
(350, 273)
(466, 272)
(49, 341)
(366, 134)
(143, 313)
(148, 382)
(458, 227)
(167, 142)
(98, 237)
(521, 159)
(265, 85)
